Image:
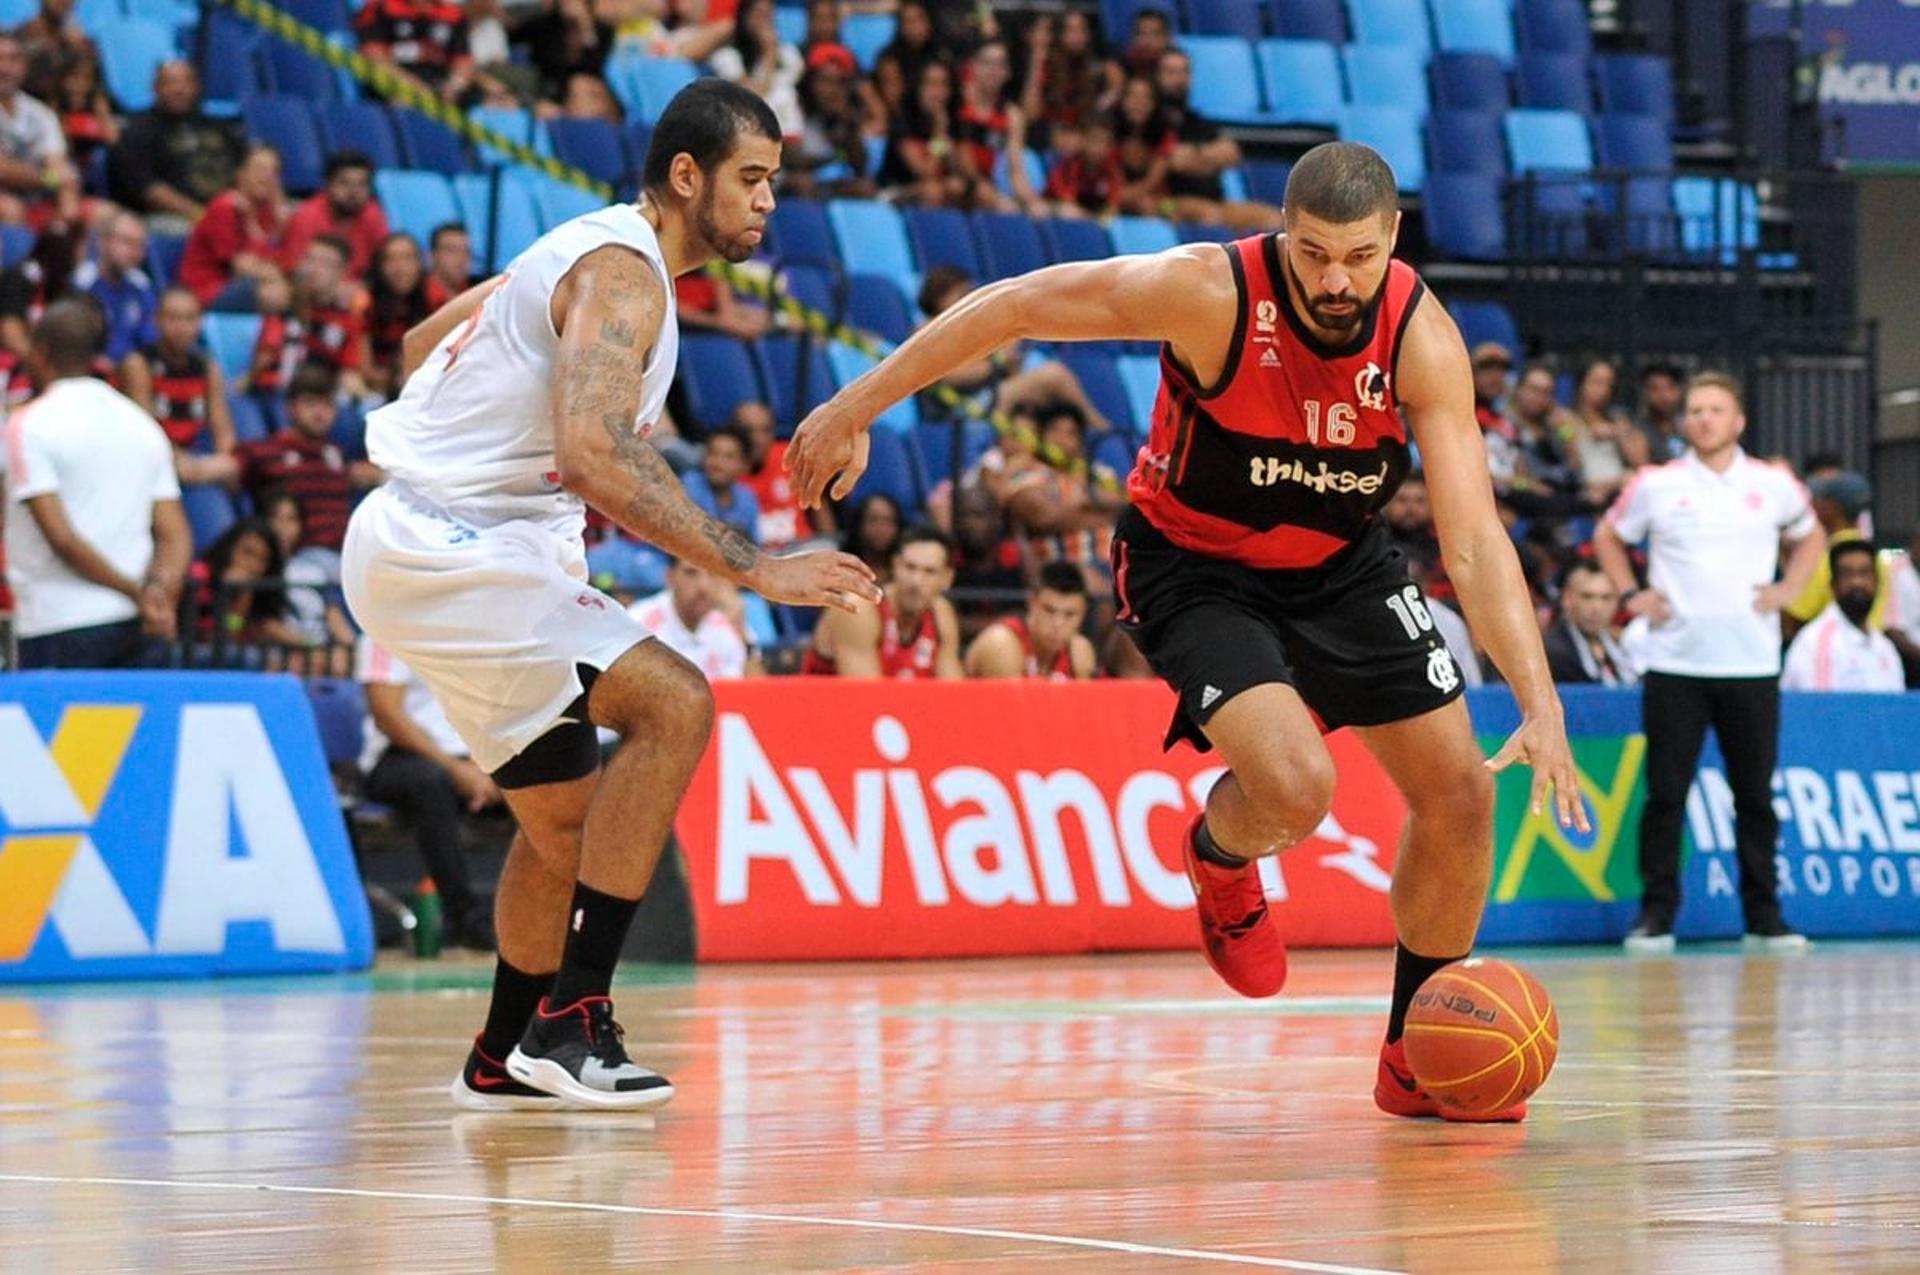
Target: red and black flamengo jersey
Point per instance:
(333, 337)
(277, 352)
(909, 657)
(180, 392)
(1289, 457)
(423, 36)
(1060, 670)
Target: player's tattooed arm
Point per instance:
(617, 304)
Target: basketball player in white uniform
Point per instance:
(528, 400)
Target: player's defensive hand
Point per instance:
(820, 578)
(1542, 745)
(831, 441)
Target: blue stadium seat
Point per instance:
(1140, 374)
(1003, 176)
(1310, 20)
(360, 126)
(593, 146)
(1141, 234)
(163, 257)
(430, 145)
(798, 231)
(1556, 221)
(786, 360)
(327, 15)
(645, 85)
(1115, 450)
(1226, 85)
(1554, 26)
(1204, 232)
(16, 242)
(872, 237)
(1239, 18)
(874, 304)
(717, 374)
(942, 237)
(848, 364)
(1717, 215)
(1636, 83)
(934, 440)
(249, 422)
(1470, 82)
(291, 69)
(1395, 133)
(1474, 26)
(1386, 75)
(499, 234)
(1548, 141)
(339, 711)
(1464, 216)
(415, 201)
(209, 511)
(1486, 321)
(227, 56)
(177, 14)
(559, 201)
(1554, 82)
(1267, 179)
(790, 24)
(15, 12)
(1074, 239)
(1637, 142)
(1467, 142)
(813, 287)
(1302, 79)
(131, 50)
(893, 468)
(1647, 225)
(230, 339)
(1391, 22)
(516, 124)
(1093, 367)
(1009, 244)
(866, 34)
(287, 124)
(637, 138)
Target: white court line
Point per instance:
(723, 1215)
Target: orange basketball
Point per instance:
(1481, 1036)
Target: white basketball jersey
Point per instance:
(472, 431)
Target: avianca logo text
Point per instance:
(225, 779)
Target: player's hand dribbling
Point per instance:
(822, 578)
(831, 441)
(1542, 745)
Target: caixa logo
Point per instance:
(122, 856)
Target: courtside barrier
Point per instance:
(851, 820)
(170, 825)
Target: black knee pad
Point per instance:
(569, 750)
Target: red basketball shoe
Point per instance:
(1397, 1093)
(1237, 932)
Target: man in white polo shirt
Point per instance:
(97, 545)
(700, 616)
(1714, 522)
(1840, 649)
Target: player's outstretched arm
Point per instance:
(1135, 298)
(1435, 383)
(610, 307)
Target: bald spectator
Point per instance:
(344, 208)
(173, 159)
(1045, 643)
(96, 552)
(117, 279)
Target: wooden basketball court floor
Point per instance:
(1711, 1112)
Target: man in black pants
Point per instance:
(1715, 522)
(415, 762)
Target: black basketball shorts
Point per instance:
(1353, 635)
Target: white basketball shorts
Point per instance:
(495, 619)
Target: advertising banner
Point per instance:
(169, 825)
(849, 820)
(1866, 55)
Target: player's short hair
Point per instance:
(1063, 577)
(71, 332)
(924, 534)
(1341, 183)
(703, 120)
(1716, 380)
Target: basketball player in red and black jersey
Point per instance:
(913, 634)
(1253, 569)
(1046, 643)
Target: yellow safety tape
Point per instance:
(396, 90)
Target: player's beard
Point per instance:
(709, 231)
(1334, 321)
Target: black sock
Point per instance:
(1207, 848)
(596, 930)
(1410, 969)
(515, 993)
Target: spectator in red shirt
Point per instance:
(449, 263)
(236, 242)
(424, 40)
(396, 300)
(782, 521)
(706, 303)
(1086, 179)
(304, 461)
(344, 208)
(332, 313)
